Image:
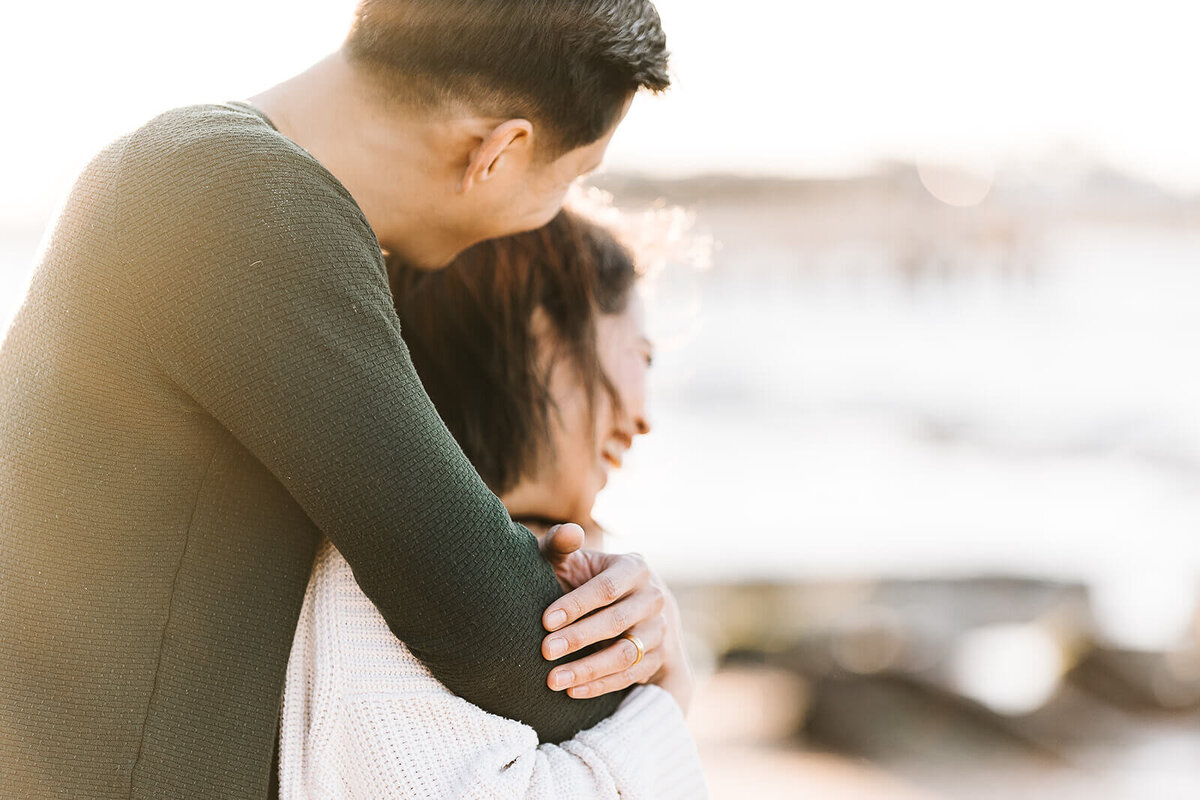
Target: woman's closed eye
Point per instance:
(647, 350)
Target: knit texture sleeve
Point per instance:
(363, 718)
(263, 295)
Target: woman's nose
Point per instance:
(641, 424)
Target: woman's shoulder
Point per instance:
(349, 638)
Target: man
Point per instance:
(207, 376)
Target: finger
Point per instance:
(620, 655)
(642, 605)
(642, 673)
(624, 574)
(561, 541)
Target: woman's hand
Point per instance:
(610, 595)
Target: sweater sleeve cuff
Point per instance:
(649, 728)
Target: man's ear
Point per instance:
(510, 141)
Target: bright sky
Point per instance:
(763, 86)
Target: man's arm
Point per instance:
(389, 729)
(262, 293)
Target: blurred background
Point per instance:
(925, 472)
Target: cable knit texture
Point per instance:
(363, 718)
(207, 376)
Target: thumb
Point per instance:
(561, 541)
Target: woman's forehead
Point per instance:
(629, 324)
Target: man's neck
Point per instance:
(392, 163)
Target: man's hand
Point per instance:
(609, 595)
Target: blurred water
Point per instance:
(840, 421)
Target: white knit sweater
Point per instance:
(363, 718)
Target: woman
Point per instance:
(532, 349)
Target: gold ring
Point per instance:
(641, 648)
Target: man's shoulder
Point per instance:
(208, 184)
(218, 130)
(204, 150)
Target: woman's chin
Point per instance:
(600, 478)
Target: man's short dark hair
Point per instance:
(567, 64)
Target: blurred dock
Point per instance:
(972, 688)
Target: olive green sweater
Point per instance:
(208, 374)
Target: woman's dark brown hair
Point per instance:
(470, 330)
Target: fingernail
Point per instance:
(580, 691)
(563, 678)
(556, 647)
(556, 619)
